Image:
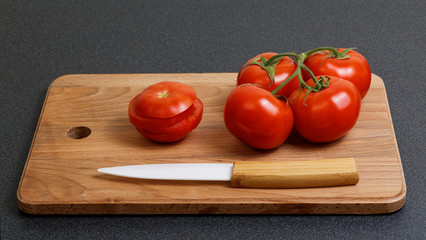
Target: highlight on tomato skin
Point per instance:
(166, 111)
(257, 118)
(254, 74)
(355, 68)
(152, 122)
(185, 126)
(327, 115)
(165, 99)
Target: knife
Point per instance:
(251, 174)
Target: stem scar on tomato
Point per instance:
(339, 62)
(166, 111)
(269, 70)
(163, 94)
(328, 71)
(328, 113)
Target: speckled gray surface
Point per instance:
(42, 40)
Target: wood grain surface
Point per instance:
(84, 126)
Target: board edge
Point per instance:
(391, 205)
(400, 198)
(22, 202)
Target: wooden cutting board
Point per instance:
(60, 175)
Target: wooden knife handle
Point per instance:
(295, 174)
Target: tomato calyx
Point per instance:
(321, 83)
(166, 111)
(300, 59)
(331, 112)
(270, 64)
(330, 51)
(270, 69)
(298, 73)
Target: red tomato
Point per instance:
(191, 121)
(326, 115)
(152, 122)
(177, 131)
(166, 111)
(254, 74)
(257, 118)
(164, 100)
(161, 137)
(354, 69)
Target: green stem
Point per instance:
(286, 81)
(301, 82)
(310, 73)
(270, 64)
(272, 59)
(297, 73)
(334, 51)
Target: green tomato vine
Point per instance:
(270, 64)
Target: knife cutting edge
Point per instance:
(251, 174)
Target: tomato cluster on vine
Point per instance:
(317, 93)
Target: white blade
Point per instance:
(180, 171)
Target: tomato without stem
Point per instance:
(164, 99)
(166, 111)
(255, 74)
(326, 115)
(177, 131)
(257, 117)
(152, 122)
(191, 121)
(165, 138)
(354, 68)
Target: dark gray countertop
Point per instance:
(42, 40)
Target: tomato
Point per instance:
(355, 68)
(328, 114)
(165, 138)
(166, 111)
(191, 121)
(152, 122)
(177, 131)
(255, 74)
(257, 117)
(165, 99)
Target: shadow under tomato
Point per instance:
(297, 140)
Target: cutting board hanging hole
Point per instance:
(79, 132)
